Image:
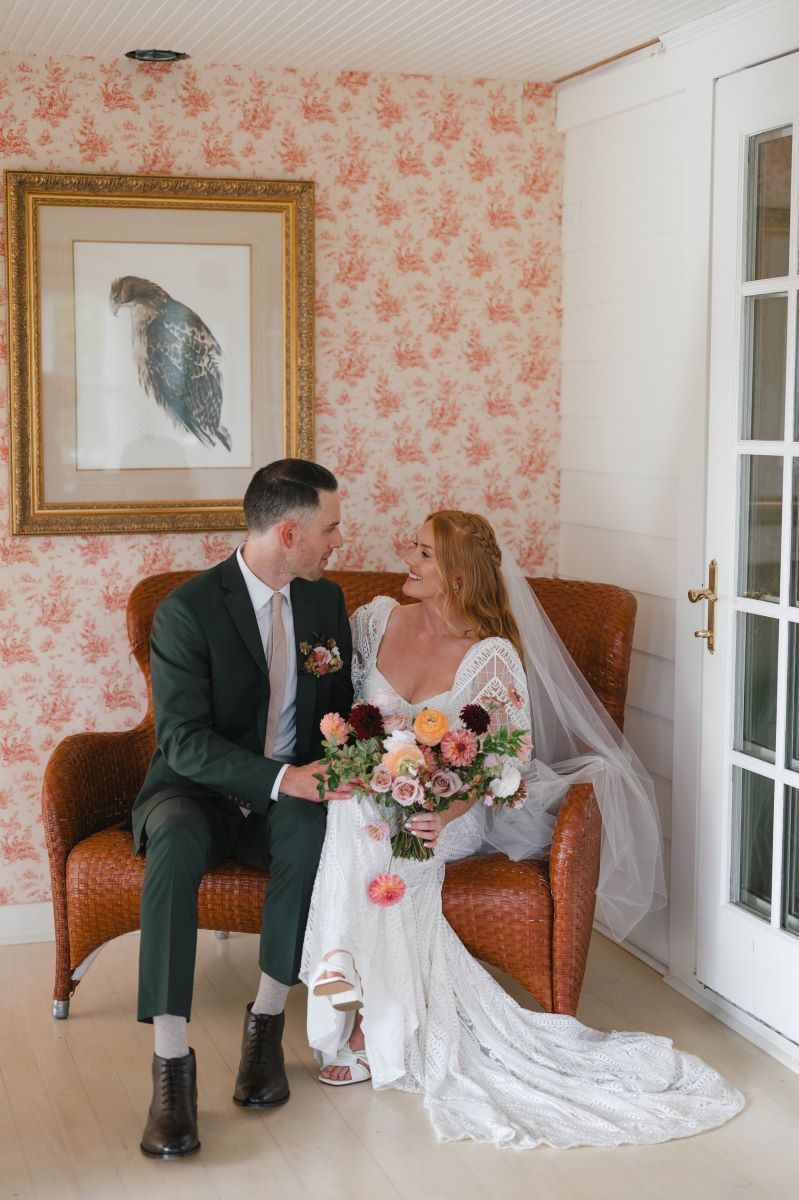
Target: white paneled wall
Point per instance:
(637, 219)
(621, 405)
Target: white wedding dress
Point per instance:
(435, 1021)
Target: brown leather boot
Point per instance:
(171, 1129)
(261, 1081)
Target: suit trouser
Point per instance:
(184, 838)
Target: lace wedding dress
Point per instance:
(435, 1021)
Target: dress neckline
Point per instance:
(415, 703)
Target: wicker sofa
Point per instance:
(531, 919)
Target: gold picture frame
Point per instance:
(113, 428)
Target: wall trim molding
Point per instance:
(743, 1023)
(643, 955)
(22, 923)
(734, 39)
(714, 22)
(747, 1026)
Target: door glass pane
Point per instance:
(768, 210)
(796, 389)
(761, 527)
(790, 887)
(753, 825)
(792, 728)
(794, 593)
(756, 686)
(765, 343)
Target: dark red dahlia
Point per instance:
(367, 721)
(475, 718)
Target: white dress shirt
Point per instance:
(261, 596)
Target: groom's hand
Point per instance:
(303, 783)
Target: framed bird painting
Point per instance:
(160, 346)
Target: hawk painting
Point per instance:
(177, 357)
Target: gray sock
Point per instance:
(271, 998)
(171, 1038)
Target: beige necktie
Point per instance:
(276, 662)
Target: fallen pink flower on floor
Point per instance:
(386, 889)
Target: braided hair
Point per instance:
(470, 560)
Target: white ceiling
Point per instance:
(537, 40)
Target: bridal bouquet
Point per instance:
(422, 769)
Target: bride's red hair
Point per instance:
(469, 560)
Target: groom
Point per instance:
(237, 710)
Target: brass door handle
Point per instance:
(710, 594)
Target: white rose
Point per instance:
(400, 737)
(507, 784)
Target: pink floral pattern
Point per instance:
(438, 282)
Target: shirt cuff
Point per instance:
(278, 780)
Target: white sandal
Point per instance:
(344, 988)
(355, 1060)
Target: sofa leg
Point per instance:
(63, 987)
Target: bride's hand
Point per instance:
(427, 827)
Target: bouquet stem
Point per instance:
(407, 845)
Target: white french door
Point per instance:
(748, 868)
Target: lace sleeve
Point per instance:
(368, 625)
(494, 677)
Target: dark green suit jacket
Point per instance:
(211, 690)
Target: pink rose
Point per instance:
(378, 831)
(407, 791)
(381, 779)
(320, 658)
(334, 728)
(393, 721)
(445, 783)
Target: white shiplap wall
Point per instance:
(621, 402)
(637, 300)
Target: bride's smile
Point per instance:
(424, 581)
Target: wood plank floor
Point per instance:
(73, 1097)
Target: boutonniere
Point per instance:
(322, 656)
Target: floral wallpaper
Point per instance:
(437, 344)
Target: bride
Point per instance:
(393, 994)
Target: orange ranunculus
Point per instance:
(430, 726)
(399, 760)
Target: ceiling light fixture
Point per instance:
(156, 56)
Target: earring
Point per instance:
(456, 587)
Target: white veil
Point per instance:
(577, 742)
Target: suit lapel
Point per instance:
(304, 610)
(239, 605)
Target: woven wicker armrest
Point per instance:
(573, 873)
(91, 782)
